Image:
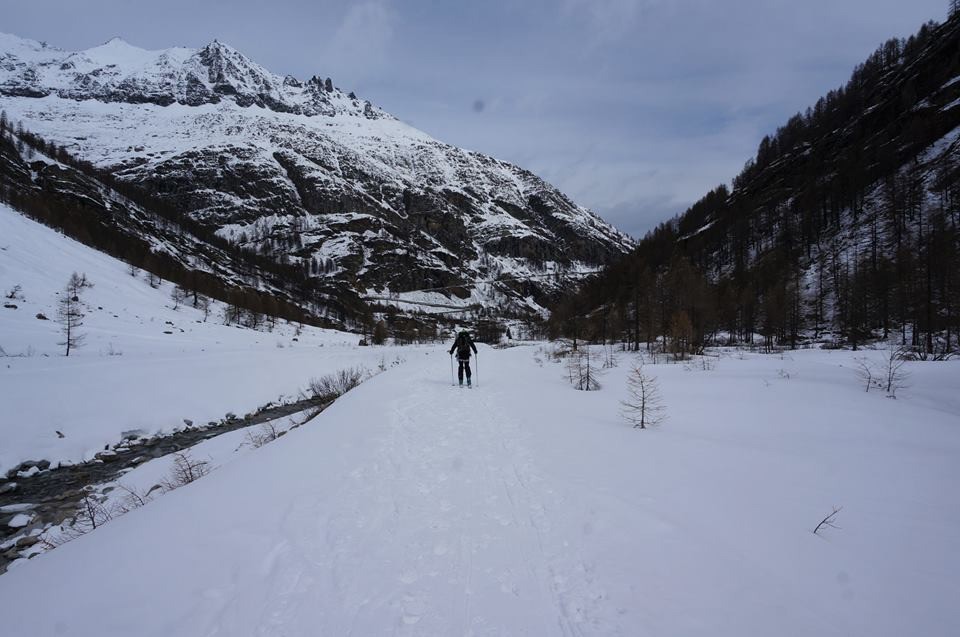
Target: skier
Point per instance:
(463, 345)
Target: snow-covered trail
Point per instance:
(411, 507)
(445, 525)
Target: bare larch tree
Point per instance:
(644, 406)
(70, 312)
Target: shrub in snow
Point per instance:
(866, 373)
(185, 470)
(96, 509)
(561, 350)
(706, 364)
(203, 304)
(887, 374)
(178, 295)
(334, 385)
(609, 357)
(267, 433)
(894, 375)
(583, 370)
(93, 512)
(133, 499)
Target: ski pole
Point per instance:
(477, 356)
(451, 370)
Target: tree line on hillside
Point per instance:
(299, 298)
(846, 225)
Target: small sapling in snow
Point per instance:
(828, 521)
(70, 311)
(644, 405)
(583, 371)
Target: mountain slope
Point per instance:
(303, 172)
(47, 184)
(845, 226)
(146, 362)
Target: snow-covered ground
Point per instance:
(143, 365)
(524, 507)
(520, 507)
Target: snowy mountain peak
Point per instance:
(117, 51)
(12, 44)
(117, 42)
(117, 71)
(218, 53)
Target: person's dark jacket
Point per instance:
(463, 345)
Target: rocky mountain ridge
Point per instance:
(117, 71)
(306, 174)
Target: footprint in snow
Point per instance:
(413, 609)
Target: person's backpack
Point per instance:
(463, 345)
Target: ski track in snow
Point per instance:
(452, 510)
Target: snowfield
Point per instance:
(523, 507)
(144, 365)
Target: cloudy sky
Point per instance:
(635, 108)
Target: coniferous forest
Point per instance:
(845, 227)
